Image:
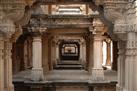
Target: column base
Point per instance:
(97, 74)
(37, 74)
(119, 88)
(10, 88)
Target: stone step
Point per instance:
(68, 66)
(69, 62)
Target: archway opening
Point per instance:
(69, 51)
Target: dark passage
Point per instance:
(69, 51)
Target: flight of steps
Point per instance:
(68, 65)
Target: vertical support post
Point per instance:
(131, 62)
(8, 66)
(37, 70)
(121, 65)
(1, 64)
(97, 71)
(108, 61)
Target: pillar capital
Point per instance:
(7, 28)
(131, 46)
(121, 47)
(14, 10)
(37, 31)
(98, 27)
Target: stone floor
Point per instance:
(66, 75)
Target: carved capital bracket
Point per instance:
(115, 12)
(121, 47)
(131, 45)
(98, 27)
(13, 9)
(37, 30)
(114, 9)
(7, 28)
(11, 17)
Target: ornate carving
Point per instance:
(13, 9)
(114, 9)
(98, 26)
(116, 12)
(37, 30)
(131, 47)
(7, 27)
(121, 47)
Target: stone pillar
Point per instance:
(108, 60)
(131, 63)
(90, 49)
(45, 54)
(81, 52)
(84, 54)
(1, 65)
(53, 53)
(115, 55)
(97, 70)
(37, 70)
(57, 53)
(8, 66)
(121, 65)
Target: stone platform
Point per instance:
(65, 80)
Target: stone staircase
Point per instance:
(69, 65)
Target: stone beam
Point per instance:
(60, 21)
(64, 1)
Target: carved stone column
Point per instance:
(90, 49)
(108, 61)
(98, 31)
(7, 27)
(84, 54)
(97, 71)
(53, 53)
(8, 66)
(131, 62)
(57, 53)
(37, 70)
(81, 52)
(1, 64)
(121, 65)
